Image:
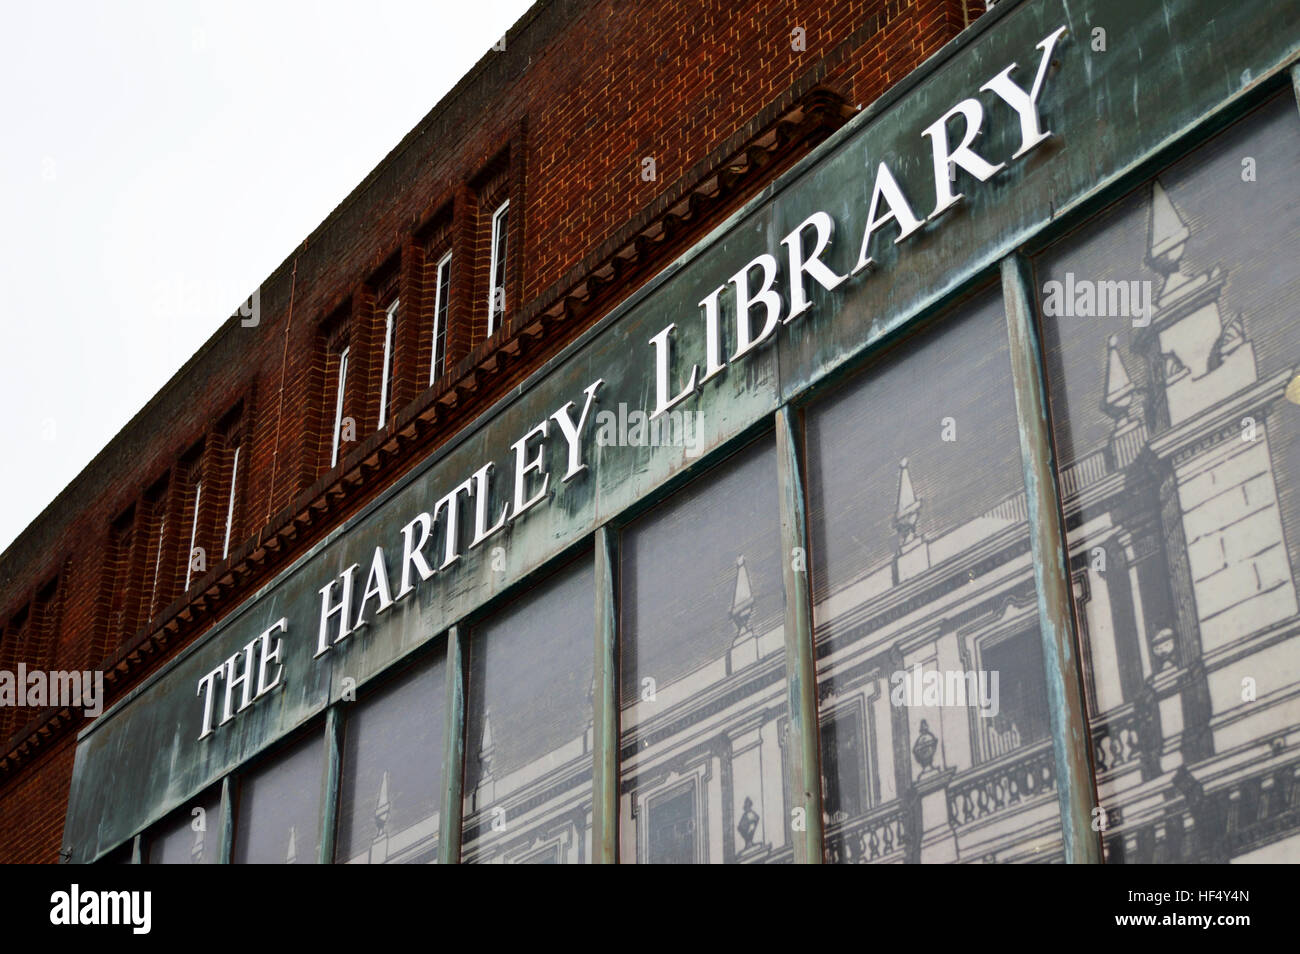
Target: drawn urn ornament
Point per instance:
(748, 824)
(1162, 648)
(924, 748)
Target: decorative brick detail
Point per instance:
(414, 317)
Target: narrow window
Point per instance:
(497, 273)
(1022, 717)
(122, 536)
(194, 530)
(154, 527)
(157, 561)
(672, 827)
(230, 504)
(338, 406)
(386, 380)
(441, 298)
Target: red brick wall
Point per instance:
(672, 82)
(560, 122)
(33, 806)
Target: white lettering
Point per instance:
(886, 188)
(572, 431)
(662, 344)
(963, 156)
(524, 467)
(824, 227)
(1026, 104)
(747, 298)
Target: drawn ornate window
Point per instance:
(673, 826)
(845, 772)
(1021, 716)
(550, 855)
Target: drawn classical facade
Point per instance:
(1184, 585)
(1187, 608)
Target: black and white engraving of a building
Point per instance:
(1187, 608)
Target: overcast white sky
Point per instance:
(159, 160)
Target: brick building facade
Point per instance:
(618, 133)
(494, 529)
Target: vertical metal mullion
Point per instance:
(137, 849)
(453, 758)
(1295, 82)
(226, 834)
(329, 803)
(804, 763)
(1076, 789)
(604, 782)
